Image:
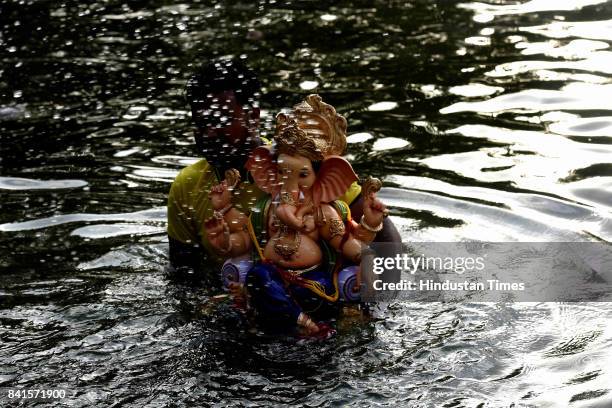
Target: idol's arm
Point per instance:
(223, 241)
(388, 233)
(349, 243)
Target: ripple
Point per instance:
(382, 106)
(133, 257)
(598, 61)
(473, 90)
(308, 85)
(478, 40)
(574, 345)
(476, 219)
(153, 173)
(574, 96)
(485, 12)
(584, 377)
(135, 112)
(575, 49)
(584, 127)
(128, 152)
(110, 132)
(547, 75)
(388, 143)
(115, 230)
(154, 214)
(163, 114)
(359, 137)
(23, 184)
(595, 30)
(535, 141)
(518, 202)
(128, 16)
(589, 395)
(596, 190)
(180, 161)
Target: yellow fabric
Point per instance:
(351, 194)
(318, 289)
(189, 205)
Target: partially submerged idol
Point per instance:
(305, 249)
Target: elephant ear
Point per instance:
(334, 177)
(262, 166)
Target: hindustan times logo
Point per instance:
(412, 264)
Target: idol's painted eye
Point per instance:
(304, 173)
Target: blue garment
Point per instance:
(279, 304)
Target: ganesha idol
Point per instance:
(297, 255)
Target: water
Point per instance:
(485, 120)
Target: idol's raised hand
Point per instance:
(218, 234)
(226, 229)
(373, 209)
(221, 194)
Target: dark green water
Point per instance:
(485, 121)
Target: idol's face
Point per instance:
(295, 174)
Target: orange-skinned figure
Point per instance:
(303, 236)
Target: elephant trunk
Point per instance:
(287, 214)
(287, 210)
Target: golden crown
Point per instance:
(317, 121)
(292, 140)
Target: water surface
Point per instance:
(486, 121)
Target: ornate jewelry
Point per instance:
(301, 271)
(319, 121)
(232, 177)
(336, 228)
(287, 198)
(294, 141)
(287, 250)
(220, 213)
(367, 227)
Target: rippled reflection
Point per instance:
(17, 183)
(485, 12)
